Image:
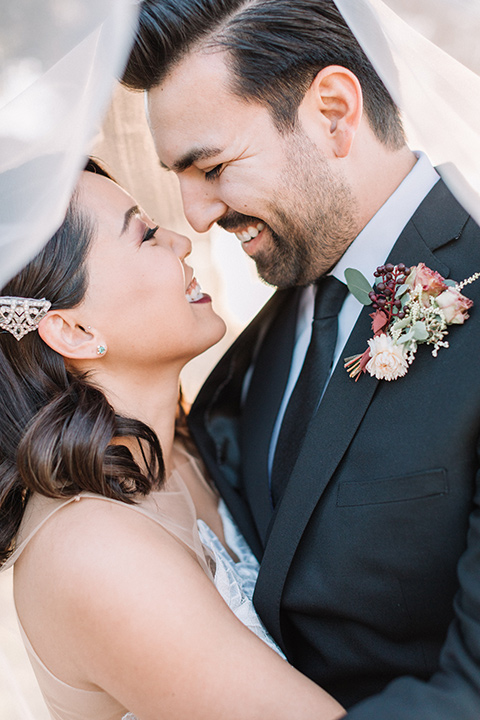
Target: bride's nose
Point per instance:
(181, 245)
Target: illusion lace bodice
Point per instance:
(235, 581)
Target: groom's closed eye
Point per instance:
(214, 173)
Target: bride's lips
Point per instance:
(194, 293)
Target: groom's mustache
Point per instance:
(235, 220)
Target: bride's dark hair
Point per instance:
(56, 427)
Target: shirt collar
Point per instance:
(373, 245)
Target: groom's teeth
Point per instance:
(251, 232)
(194, 291)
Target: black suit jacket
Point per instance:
(370, 571)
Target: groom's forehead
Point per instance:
(193, 114)
(201, 73)
(200, 83)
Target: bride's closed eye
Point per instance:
(150, 233)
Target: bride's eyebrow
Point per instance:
(131, 212)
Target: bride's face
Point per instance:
(142, 296)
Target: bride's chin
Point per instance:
(222, 329)
(214, 337)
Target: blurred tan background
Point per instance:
(125, 147)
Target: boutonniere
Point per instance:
(411, 306)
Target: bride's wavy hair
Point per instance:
(58, 433)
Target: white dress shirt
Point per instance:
(369, 250)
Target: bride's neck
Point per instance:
(149, 397)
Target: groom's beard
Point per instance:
(310, 222)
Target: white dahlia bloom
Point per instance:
(388, 361)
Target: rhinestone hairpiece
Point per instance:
(20, 316)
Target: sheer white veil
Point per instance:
(438, 96)
(58, 63)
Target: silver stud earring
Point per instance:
(101, 349)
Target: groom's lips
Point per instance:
(250, 232)
(251, 236)
(252, 245)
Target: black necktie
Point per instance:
(309, 387)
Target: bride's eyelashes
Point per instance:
(150, 233)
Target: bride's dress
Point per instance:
(173, 509)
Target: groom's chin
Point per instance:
(277, 271)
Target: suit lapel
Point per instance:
(340, 413)
(270, 375)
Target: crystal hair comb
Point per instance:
(20, 316)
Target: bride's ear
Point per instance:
(59, 331)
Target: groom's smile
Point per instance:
(246, 228)
(246, 236)
(279, 192)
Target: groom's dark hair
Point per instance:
(275, 50)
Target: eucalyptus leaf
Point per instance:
(401, 290)
(419, 331)
(405, 299)
(450, 283)
(408, 337)
(358, 285)
(400, 324)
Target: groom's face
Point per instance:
(279, 193)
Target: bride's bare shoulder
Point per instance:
(84, 571)
(88, 533)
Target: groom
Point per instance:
(360, 498)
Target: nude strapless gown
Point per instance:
(235, 581)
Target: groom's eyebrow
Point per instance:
(192, 156)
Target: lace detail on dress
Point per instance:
(235, 581)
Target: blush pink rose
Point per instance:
(429, 281)
(455, 306)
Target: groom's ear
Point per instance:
(332, 109)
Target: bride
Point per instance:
(132, 585)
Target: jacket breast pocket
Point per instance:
(419, 485)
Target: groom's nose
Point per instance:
(201, 204)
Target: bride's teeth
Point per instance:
(194, 291)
